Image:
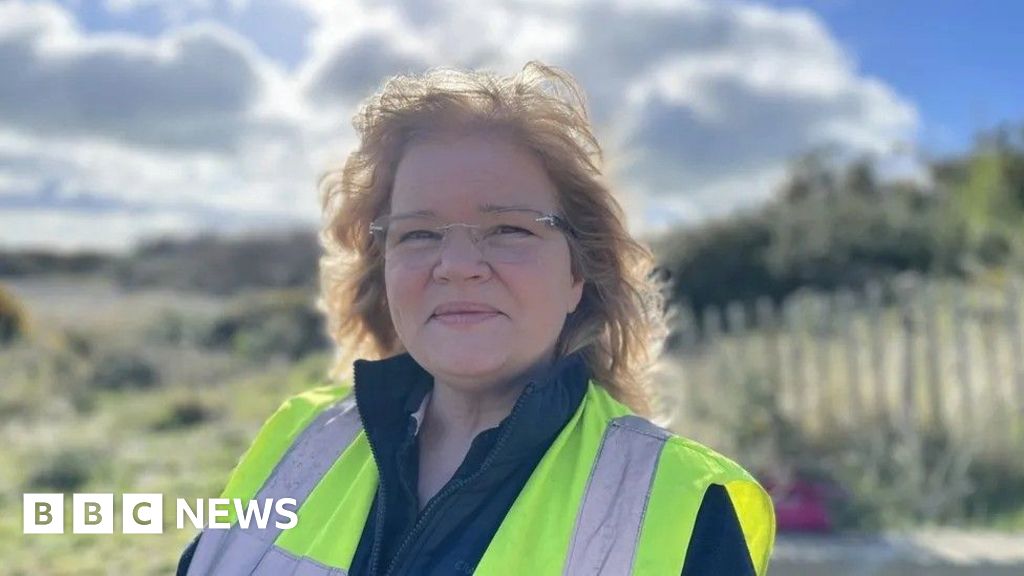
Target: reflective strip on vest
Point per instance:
(251, 550)
(607, 530)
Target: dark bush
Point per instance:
(123, 371)
(78, 343)
(177, 329)
(720, 262)
(13, 318)
(65, 471)
(36, 262)
(281, 324)
(823, 232)
(184, 414)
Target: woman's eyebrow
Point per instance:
(501, 207)
(412, 214)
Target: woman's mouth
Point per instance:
(464, 313)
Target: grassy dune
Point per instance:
(79, 415)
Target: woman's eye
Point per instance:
(419, 235)
(506, 229)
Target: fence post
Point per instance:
(712, 319)
(736, 318)
(685, 391)
(793, 318)
(992, 379)
(825, 405)
(845, 303)
(1015, 325)
(876, 348)
(963, 359)
(908, 412)
(768, 322)
(933, 385)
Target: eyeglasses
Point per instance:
(510, 235)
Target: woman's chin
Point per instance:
(466, 361)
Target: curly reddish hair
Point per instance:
(619, 324)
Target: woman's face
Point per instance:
(454, 176)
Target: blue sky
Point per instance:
(959, 62)
(278, 27)
(122, 120)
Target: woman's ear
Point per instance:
(576, 294)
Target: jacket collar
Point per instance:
(389, 391)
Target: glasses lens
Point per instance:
(513, 236)
(413, 232)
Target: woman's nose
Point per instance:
(461, 258)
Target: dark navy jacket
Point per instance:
(451, 533)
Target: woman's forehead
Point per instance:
(485, 208)
(473, 171)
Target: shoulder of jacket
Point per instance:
(696, 454)
(315, 399)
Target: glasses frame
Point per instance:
(378, 228)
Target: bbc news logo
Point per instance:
(143, 513)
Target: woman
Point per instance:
(472, 245)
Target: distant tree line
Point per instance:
(204, 263)
(834, 225)
(223, 266)
(36, 262)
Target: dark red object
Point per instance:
(801, 505)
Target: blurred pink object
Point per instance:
(801, 505)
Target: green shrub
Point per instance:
(177, 329)
(66, 470)
(278, 324)
(13, 318)
(78, 343)
(122, 371)
(818, 234)
(184, 413)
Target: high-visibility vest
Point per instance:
(613, 494)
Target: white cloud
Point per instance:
(720, 96)
(193, 89)
(65, 230)
(194, 128)
(701, 103)
(356, 68)
(712, 99)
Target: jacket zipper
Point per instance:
(457, 485)
(381, 494)
(378, 534)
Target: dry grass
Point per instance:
(64, 433)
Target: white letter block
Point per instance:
(217, 508)
(142, 514)
(92, 514)
(43, 513)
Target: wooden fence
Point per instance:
(918, 353)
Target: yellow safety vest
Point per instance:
(614, 494)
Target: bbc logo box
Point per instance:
(93, 513)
